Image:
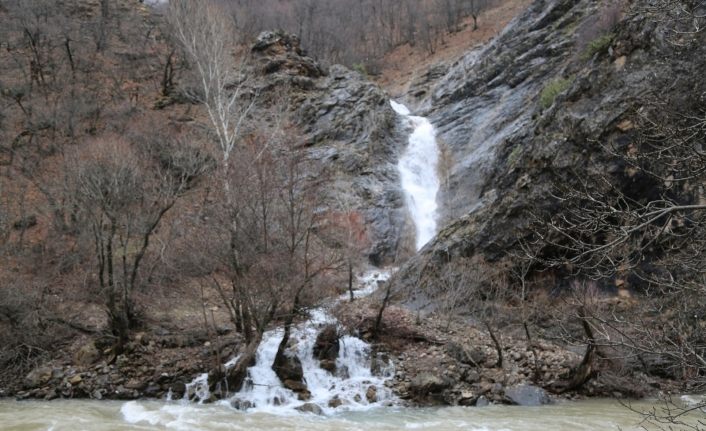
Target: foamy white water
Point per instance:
(263, 392)
(418, 172)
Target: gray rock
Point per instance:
(239, 404)
(427, 383)
(482, 401)
(38, 377)
(310, 408)
(474, 356)
(349, 128)
(527, 395)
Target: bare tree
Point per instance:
(642, 229)
(123, 194)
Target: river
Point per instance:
(69, 415)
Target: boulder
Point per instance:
(240, 404)
(335, 402)
(482, 401)
(527, 395)
(474, 356)
(38, 377)
(310, 408)
(326, 347)
(289, 369)
(425, 384)
(371, 394)
(467, 398)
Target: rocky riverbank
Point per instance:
(436, 362)
(456, 363)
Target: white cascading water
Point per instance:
(418, 171)
(263, 391)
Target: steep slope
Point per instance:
(508, 151)
(348, 126)
(490, 93)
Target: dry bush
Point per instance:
(28, 334)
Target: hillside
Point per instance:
(189, 211)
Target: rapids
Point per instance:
(263, 392)
(66, 415)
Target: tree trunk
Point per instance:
(498, 347)
(584, 371)
(227, 382)
(385, 301)
(350, 280)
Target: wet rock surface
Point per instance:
(482, 99)
(327, 347)
(508, 151)
(348, 126)
(527, 395)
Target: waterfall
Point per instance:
(418, 172)
(263, 391)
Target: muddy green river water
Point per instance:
(156, 415)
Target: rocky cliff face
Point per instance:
(349, 127)
(491, 94)
(508, 148)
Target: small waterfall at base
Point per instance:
(349, 385)
(418, 171)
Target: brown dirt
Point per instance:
(403, 64)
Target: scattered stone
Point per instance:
(135, 384)
(38, 377)
(52, 394)
(467, 398)
(527, 395)
(335, 402)
(371, 394)
(310, 408)
(482, 401)
(239, 404)
(426, 385)
(75, 380)
(178, 389)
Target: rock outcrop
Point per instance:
(508, 150)
(348, 127)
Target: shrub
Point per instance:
(360, 68)
(553, 89)
(597, 45)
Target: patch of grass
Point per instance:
(514, 155)
(361, 68)
(553, 89)
(597, 45)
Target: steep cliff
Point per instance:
(539, 106)
(348, 126)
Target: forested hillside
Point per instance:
(329, 205)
